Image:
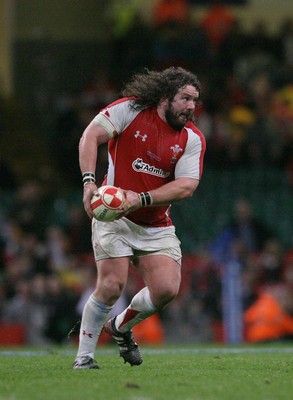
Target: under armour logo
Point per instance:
(90, 335)
(143, 137)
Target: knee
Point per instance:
(162, 297)
(109, 290)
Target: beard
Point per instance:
(177, 120)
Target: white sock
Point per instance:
(94, 315)
(140, 308)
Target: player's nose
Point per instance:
(190, 105)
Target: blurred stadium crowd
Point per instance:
(46, 264)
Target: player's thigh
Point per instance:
(161, 273)
(112, 277)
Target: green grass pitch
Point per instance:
(167, 373)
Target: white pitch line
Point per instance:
(154, 351)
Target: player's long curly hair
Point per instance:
(150, 87)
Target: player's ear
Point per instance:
(164, 102)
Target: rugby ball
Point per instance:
(105, 203)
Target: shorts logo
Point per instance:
(139, 166)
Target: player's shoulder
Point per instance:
(193, 129)
(120, 108)
(120, 113)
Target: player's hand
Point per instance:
(130, 204)
(88, 191)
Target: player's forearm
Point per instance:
(88, 152)
(91, 139)
(165, 195)
(174, 191)
(87, 156)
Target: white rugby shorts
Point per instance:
(123, 238)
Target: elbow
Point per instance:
(82, 140)
(189, 193)
(80, 143)
(190, 188)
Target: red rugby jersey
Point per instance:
(146, 153)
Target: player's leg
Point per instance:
(162, 276)
(157, 255)
(112, 276)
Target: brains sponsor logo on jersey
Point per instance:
(139, 166)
